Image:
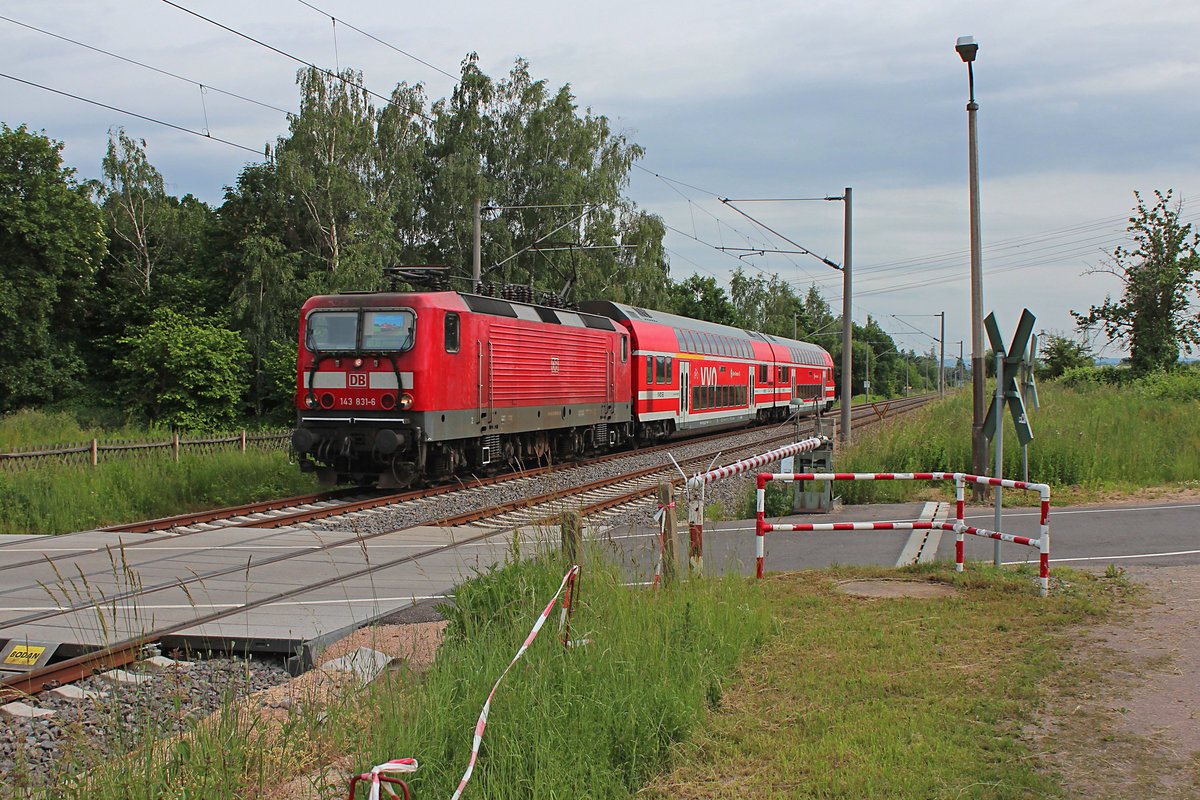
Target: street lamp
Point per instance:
(967, 48)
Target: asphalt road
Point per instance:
(1089, 537)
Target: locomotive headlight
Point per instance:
(358, 362)
(310, 401)
(406, 401)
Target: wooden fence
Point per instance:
(90, 454)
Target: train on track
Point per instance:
(397, 387)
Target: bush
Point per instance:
(185, 373)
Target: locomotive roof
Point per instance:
(622, 312)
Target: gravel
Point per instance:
(84, 732)
(729, 493)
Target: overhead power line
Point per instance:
(201, 84)
(327, 73)
(380, 41)
(133, 114)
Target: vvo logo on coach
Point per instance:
(356, 380)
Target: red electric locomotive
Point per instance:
(393, 386)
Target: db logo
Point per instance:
(356, 380)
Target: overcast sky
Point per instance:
(1081, 103)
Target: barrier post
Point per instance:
(1044, 544)
(760, 534)
(572, 535)
(667, 527)
(696, 533)
(960, 538)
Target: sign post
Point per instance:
(1009, 366)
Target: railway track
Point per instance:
(487, 521)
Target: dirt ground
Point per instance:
(1124, 722)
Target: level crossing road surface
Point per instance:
(276, 604)
(276, 607)
(1087, 537)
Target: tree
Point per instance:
(134, 202)
(265, 306)
(326, 165)
(51, 241)
(183, 372)
(1159, 272)
(1059, 353)
(701, 298)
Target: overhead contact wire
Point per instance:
(132, 114)
(144, 65)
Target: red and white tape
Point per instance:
(395, 766)
(483, 716)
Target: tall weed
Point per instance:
(64, 499)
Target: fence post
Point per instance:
(95, 453)
(667, 528)
(175, 446)
(572, 535)
(243, 440)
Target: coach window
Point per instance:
(452, 337)
(624, 349)
(649, 369)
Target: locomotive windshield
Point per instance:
(387, 330)
(360, 330)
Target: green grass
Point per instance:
(896, 698)
(784, 688)
(598, 720)
(1086, 440)
(63, 499)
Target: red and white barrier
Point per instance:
(960, 528)
(695, 487)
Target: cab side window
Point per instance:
(452, 333)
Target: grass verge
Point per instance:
(892, 698)
(1088, 442)
(64, 499)
(714, 688)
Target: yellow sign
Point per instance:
(24, 656)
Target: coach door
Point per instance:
(753, 402)
(685, 389)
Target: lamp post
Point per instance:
(967, 48)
